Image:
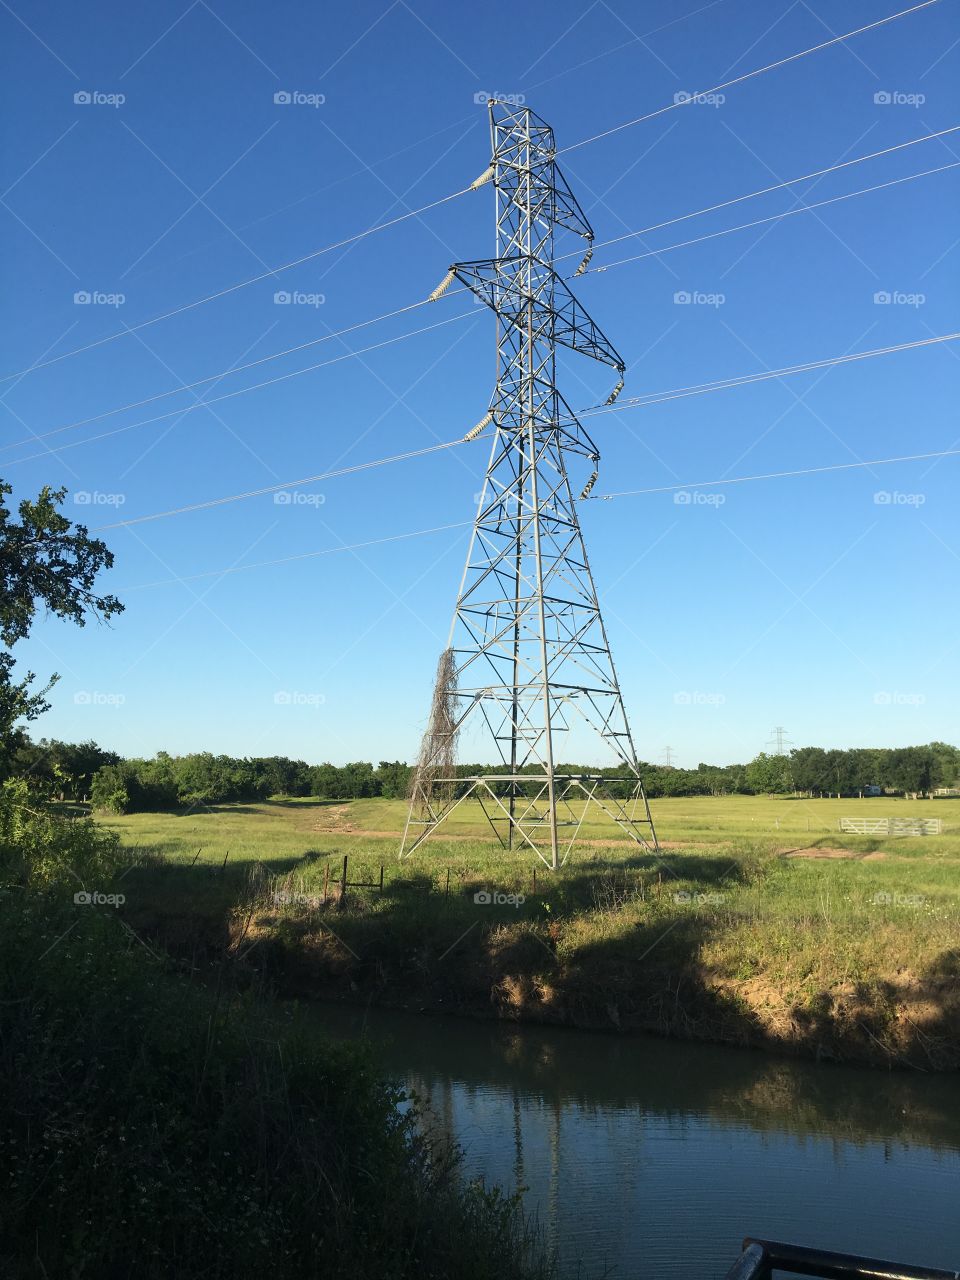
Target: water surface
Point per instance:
(653, 1158)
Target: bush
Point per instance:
(143, 1120)
(40, 849)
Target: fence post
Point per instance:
(343, 886)
(381, 877)
(326, 878)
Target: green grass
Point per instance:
(279, 829)
(722, 936)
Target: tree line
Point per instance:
(86, 772)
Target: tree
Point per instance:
(915, 770)
(44, 561)
(393, 778)
(770, 775)
(811, 771)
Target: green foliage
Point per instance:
(769, 775)
(202, 779)
(40, 849)
(142, 1119)
(44, 560)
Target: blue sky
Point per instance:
(800, 602)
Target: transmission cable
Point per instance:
(724, 384)
(774, 475)
(381, 226)
(216, 377)
(280, 488)
(636, 403)
(599, 497)
(789, 182)
(242, 284)
(229, 395)
(402, 337)
(748, 75)
(776, 217)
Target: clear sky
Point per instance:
(803, 602)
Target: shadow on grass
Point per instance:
(614, 949)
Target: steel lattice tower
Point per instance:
(528, 651)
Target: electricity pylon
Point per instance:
(528, 652)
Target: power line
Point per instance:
(724, 384)
(773, 475)
(279, 488)
(749, 75)
(637, 403)
(413, 306)
(463, 524)
(776, 217)
(222, 293)
(779, 186)
(303, 555)
(216, 377)
(242, 284)
(229, 395)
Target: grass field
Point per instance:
(288, 828)
(758, 923)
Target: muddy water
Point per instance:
(651, 1158)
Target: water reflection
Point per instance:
(655, 1157)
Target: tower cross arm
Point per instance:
(498, 283)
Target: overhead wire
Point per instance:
(776, 217)
(598, 497)
(442, 289)
(724, 384)
(748, 75)
(242, 284)
(752, 195)
(230, 395)
(215, 377)
(451, 196)
(281, 487)
(635, 403)
(777, 475)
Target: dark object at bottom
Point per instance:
(761, 1258)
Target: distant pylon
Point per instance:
(528, 654)
(779, 740)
